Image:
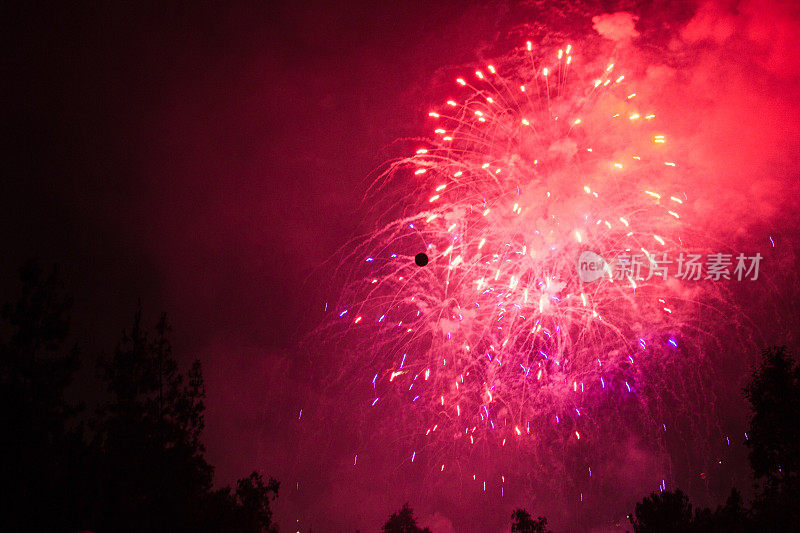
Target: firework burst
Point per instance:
(497, 344)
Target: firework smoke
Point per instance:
(494, 362)
(497, 344)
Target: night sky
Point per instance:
(211, 160)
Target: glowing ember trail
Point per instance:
(497, 344)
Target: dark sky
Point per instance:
(203, 159)
(208, 159)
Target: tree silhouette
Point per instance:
(403, 521)
(774, 439)
(774, 442)
(671, 512)
(663, 512)
(523, 523)
(40, 450)
(138, 464)
(152, 473)
(732, 517)
(245, 510)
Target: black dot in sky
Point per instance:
(421, 259)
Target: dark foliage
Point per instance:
(403, 521)
(774, 430)
(774, 443)
(671, 512)
(246, 509)
(152, 472)
(732, 517)
(39, 447)
(523, 523)
(138, 464)
(663, 512)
